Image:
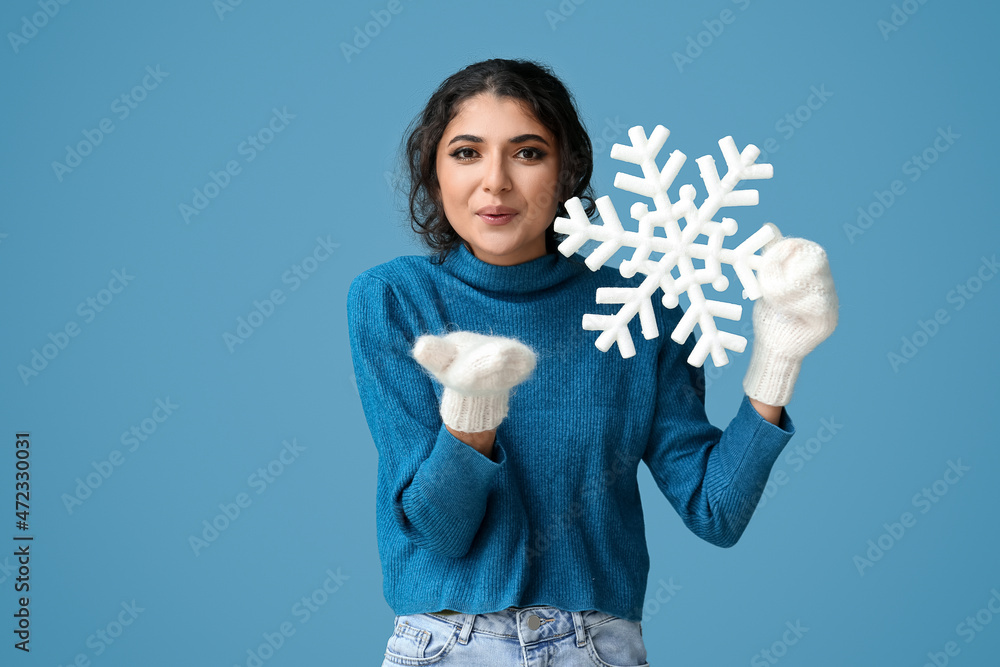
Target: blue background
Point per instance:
(328, 175)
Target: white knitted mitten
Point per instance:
(477, 372)
(797, 310)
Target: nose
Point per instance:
(496, 179)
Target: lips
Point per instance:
(496, 215)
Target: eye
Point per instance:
(532, 153)
(463, 154)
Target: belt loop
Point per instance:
(463, 637)
(581, 635)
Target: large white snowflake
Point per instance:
(678, 248)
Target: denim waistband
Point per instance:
(518, 623)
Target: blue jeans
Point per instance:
(536, 636)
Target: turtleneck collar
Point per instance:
(532, 276)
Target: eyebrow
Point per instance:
(514, 140)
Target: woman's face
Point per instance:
(497, 167)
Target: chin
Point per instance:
(494, 251)
(498, 240)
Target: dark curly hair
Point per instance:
(553, 106)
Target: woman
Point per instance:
(509, 523)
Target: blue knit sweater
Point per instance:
(553, 516)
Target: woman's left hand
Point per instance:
(797, 311)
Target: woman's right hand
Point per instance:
(477, 372)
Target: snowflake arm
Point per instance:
(677, 248)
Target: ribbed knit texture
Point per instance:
(471, 414)
(553, 516)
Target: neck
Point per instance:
(534, 275)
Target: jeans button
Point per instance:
(534, 622)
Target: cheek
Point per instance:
(545, 194)
(544, 201)
(450, 186)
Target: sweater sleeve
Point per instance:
(437, 486)
(712, 478)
